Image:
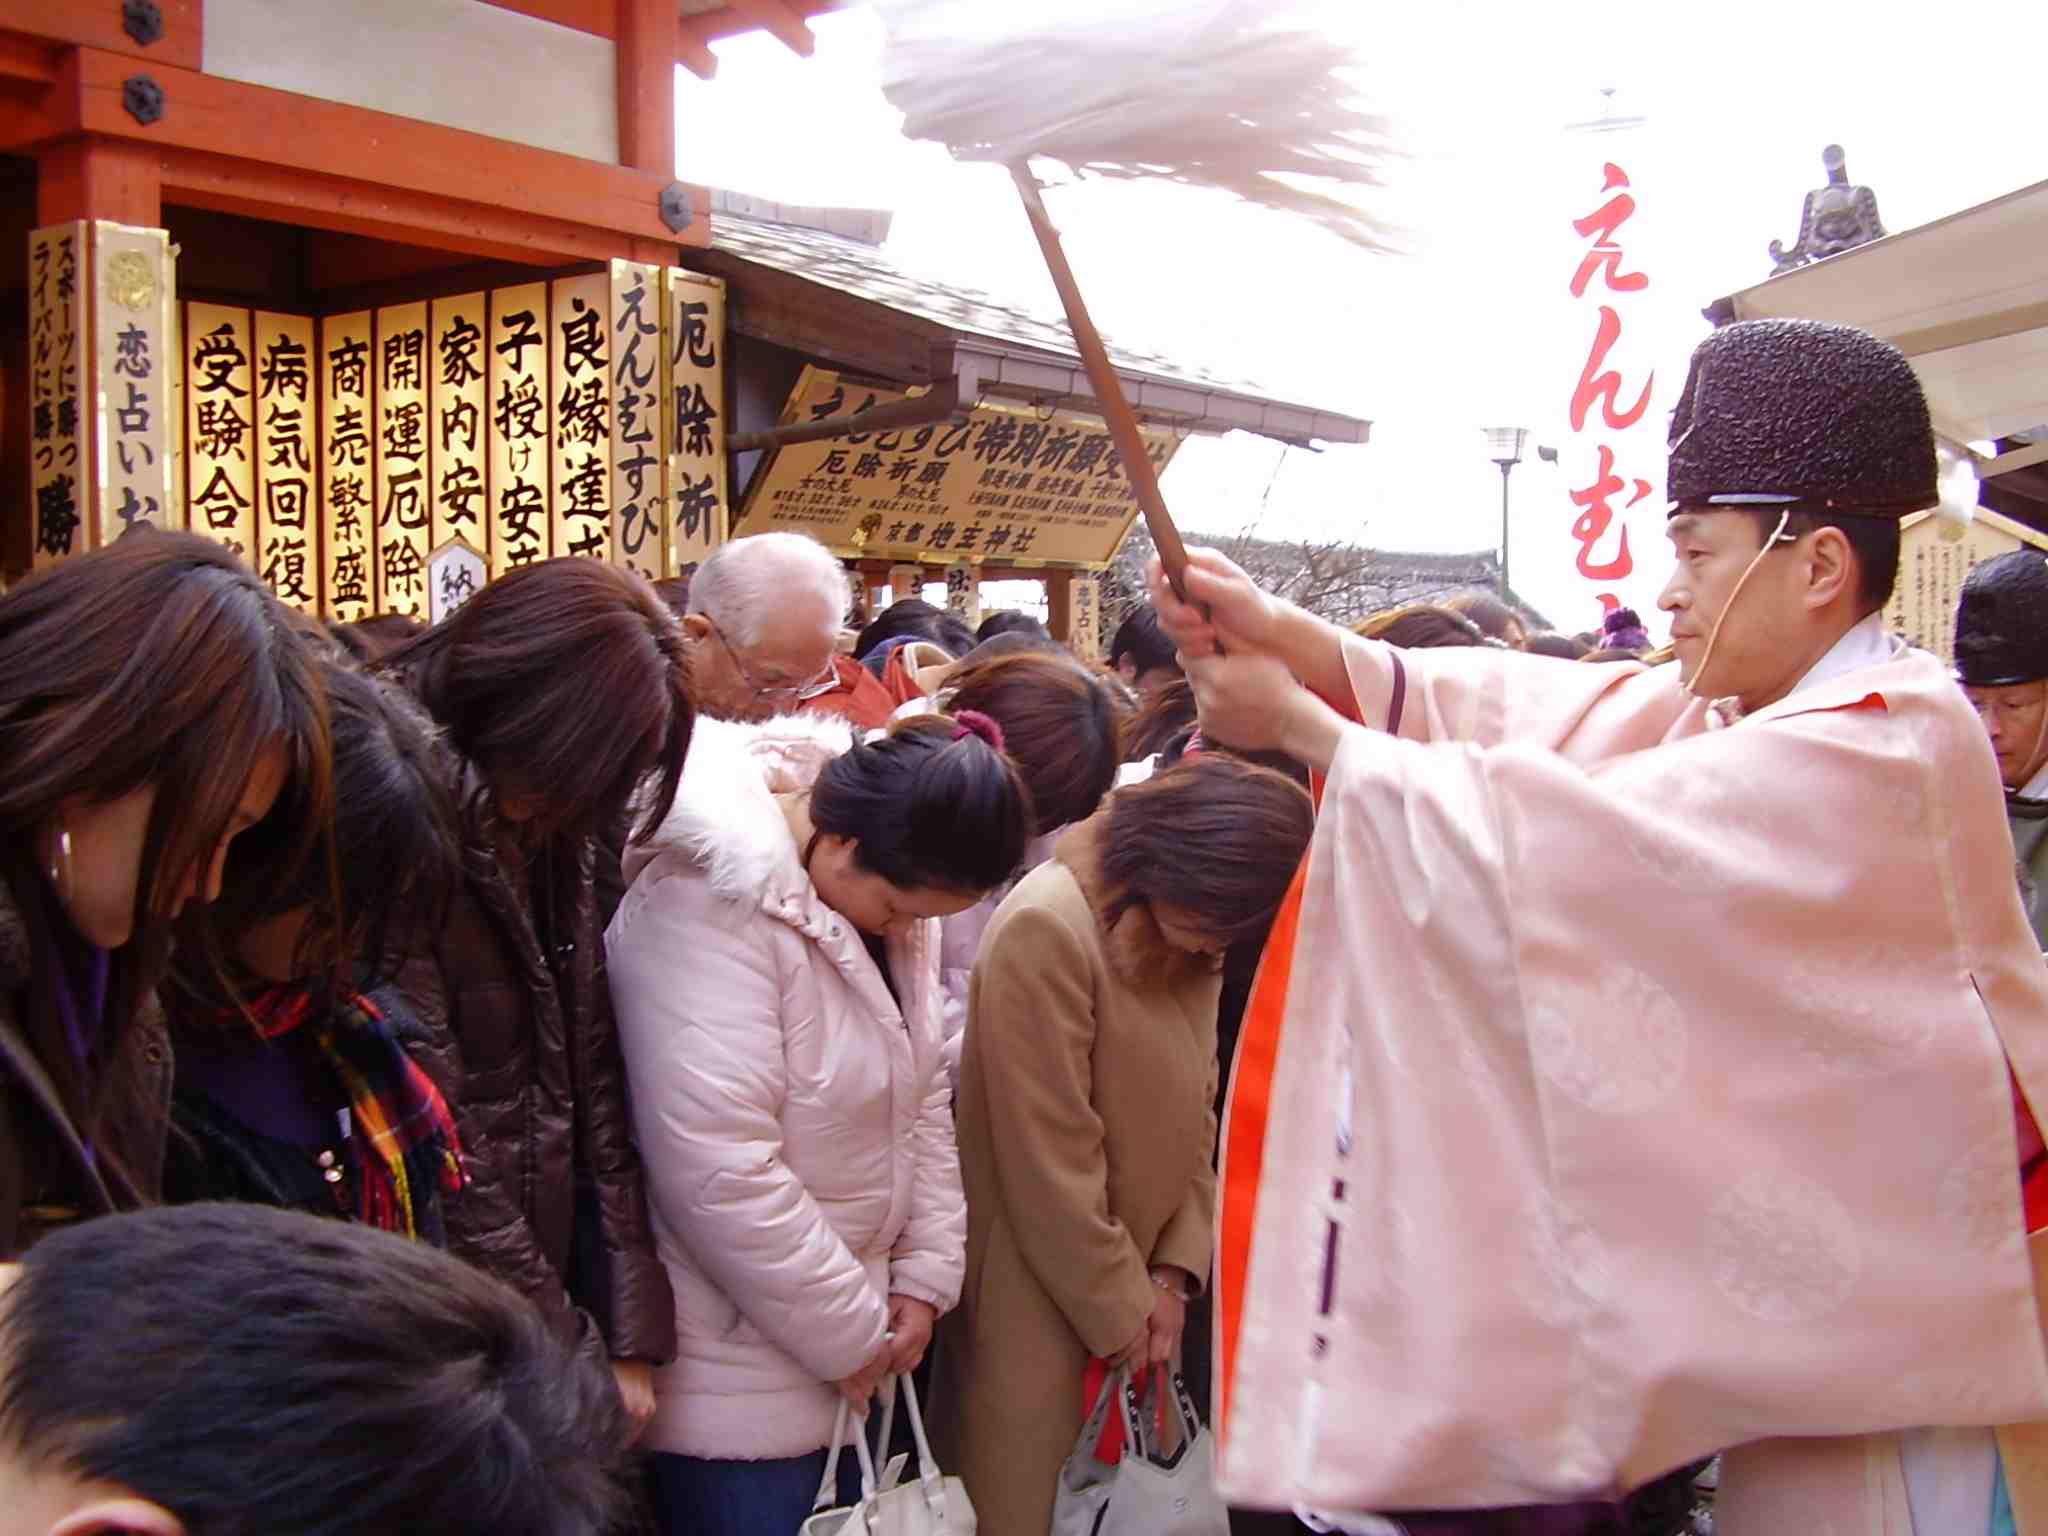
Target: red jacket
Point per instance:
(857, 696)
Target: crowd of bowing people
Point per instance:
(768, 1006)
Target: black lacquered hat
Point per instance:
(2002, 622)
(1776, 412)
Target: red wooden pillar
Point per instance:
(88, 177)
(647, 85)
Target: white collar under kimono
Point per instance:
(1865, 645)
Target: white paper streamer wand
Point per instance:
(1206, 92)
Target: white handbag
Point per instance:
(1149, 1492)
(937, 1506)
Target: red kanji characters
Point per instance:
(1595, 517)
(1594, 383)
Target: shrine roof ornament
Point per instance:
(1835, 218)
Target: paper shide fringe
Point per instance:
(1210, 93)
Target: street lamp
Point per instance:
(1504, 447)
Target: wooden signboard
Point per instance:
(288, 490)
(996, 484)
(698, 493)
(404, 515)
(347, 511)
(59, 471)
(1932, 569)
(220, 427)
(580, 379)
(521, 467)
(639, 443)
(457, 402)
(133, 366)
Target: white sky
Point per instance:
(1471, 324)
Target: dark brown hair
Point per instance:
(370, 640)
(931, 804)
(400, 851)
(1212, 837)
(1419, 626)
(1493, 616)
(1059, 727)
(155, 660)
(161, 660)
(1165, 717)
(567, 681)
(1565, 647)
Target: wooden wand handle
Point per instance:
(1109, 390)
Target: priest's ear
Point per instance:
(119, 1516)
(1833, 572)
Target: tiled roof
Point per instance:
(853, 262)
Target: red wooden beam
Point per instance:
(482, 180)
(597, 17)
(693, 49)
(349, 206)
(30, 60)
(779, 19)
(731, 19)
(97, 24)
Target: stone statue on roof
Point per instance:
(1837, 217)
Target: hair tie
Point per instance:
(972, 722)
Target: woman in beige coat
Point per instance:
(1085, 1113)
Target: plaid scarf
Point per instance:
(401, 1131)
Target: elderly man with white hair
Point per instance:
(763, 623)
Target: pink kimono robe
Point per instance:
(1651, 1098)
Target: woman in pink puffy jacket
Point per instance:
(775, 972)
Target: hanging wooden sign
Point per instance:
(963, 592)
(458, 400)
(347, 511)
(288, 493)
(1935, 559)
(59, 471)
(997, 484)
(456, 572)
(521, 466)
(133, 365)
(580, 379)
(403, 516)
(639, 455)
(219, 425)
(696, 417)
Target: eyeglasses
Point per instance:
(781, 693)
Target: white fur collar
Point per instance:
(725, 819)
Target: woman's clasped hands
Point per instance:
(910, 1334)
(1159, 1340)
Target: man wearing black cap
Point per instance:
(1628, 1078)
(2002, 663)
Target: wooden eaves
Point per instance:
(698, 23)
(240, 148)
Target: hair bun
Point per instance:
(972, 722)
